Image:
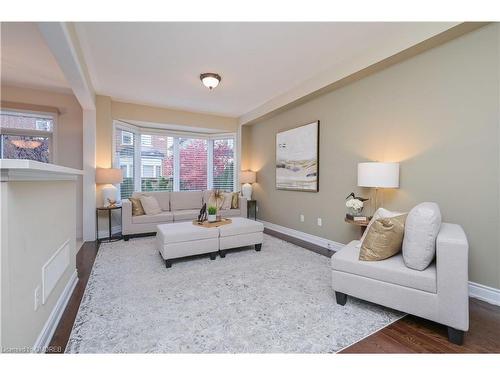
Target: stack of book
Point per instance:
(357, 218)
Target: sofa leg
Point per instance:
(222, 253)
(168, 263)
(126, 237)
(258, 247)
(213, 256)
(455, 336)
(341, 298)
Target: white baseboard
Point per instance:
(478, 291)
(43, 340)
(316, 240)
(105, 232)
(484, 293)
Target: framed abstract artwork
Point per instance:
(297, 158)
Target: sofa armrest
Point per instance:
(126, 216)
(452, 263)
(243, 206)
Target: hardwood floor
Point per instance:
(84, 262)
(408, 335)
(416, 335)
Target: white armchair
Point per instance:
(438, 293)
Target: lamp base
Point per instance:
(109, 195)
(246, 191)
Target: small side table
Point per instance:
(108, 209)
(252, 206)
(361, 224)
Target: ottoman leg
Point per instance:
(222, 253)
(168, 263)
(213, 256)
(258, 247)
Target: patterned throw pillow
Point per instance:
(137, 209)
(228, 198)
(384, 238)
(235, 200)
(217, 203)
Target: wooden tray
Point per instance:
(215, 224)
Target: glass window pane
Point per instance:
(124, 159)
(29, 121)
(193, 164)
(157, 162)
(25, 147)
(223, 168)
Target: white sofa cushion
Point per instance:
(150, 205)
(185, 200)
(185, 232)
(391, 270)
(421, 229)
(164, 217)
(240, 225)
(181, 215)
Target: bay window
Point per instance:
(160, 160)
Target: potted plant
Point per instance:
(212, 214)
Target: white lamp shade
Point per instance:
(108, 176)
(378, 175)
(248, 177)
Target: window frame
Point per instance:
(51, 135)
(137, 144)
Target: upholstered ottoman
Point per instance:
(177, 240)
(241, 232)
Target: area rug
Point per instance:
(278, 300)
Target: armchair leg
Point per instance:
(213, 256)
(126, 238)
(341, 298)
(455, 336)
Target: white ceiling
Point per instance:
(263, 65)
(26, 60)
(159, 63)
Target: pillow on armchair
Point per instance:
(384, 238)
(421, 230)
(379, 214)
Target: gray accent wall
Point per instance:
(436, 113)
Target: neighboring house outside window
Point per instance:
(156, 160)
(27, 135)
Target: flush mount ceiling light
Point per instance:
(210, 80)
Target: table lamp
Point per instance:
(378, 175)
(109, 176)
(247, 178)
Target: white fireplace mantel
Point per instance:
(29, 170)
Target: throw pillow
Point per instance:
(226, 204)
(217, 203)
(137, 209)
(379, 214)
(150, 205)
(422, 227)
(384, 238)
(235, 200)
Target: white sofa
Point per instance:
(438, 293)
(176, 206)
